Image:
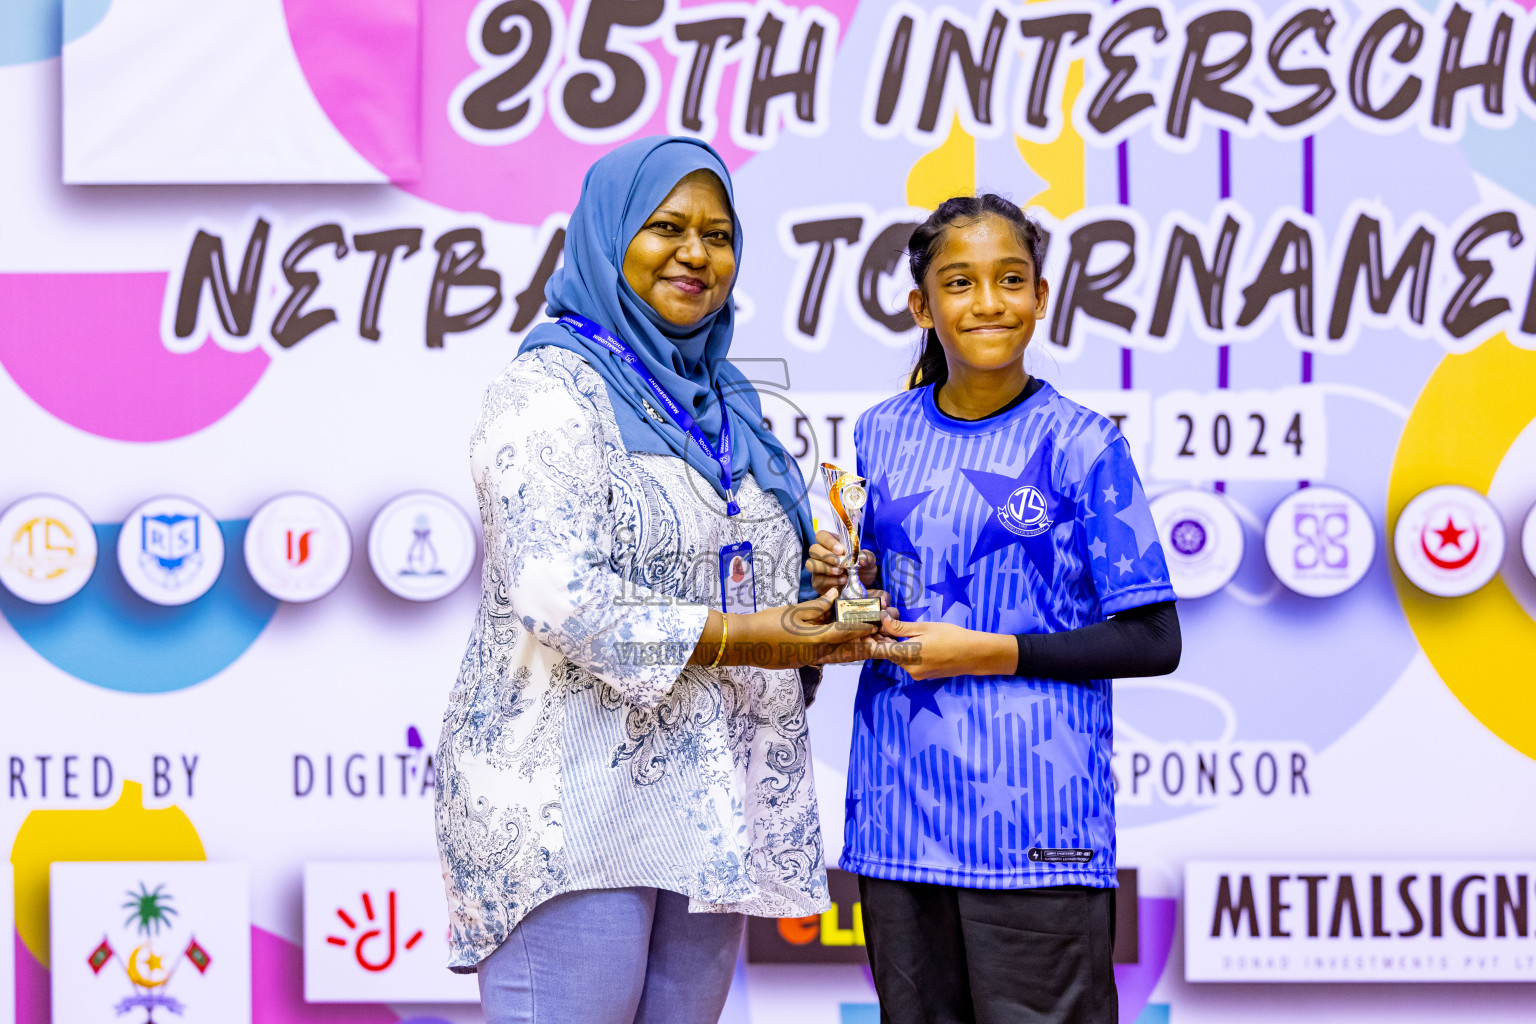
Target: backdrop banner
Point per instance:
(259, 260)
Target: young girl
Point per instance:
(1010, 529)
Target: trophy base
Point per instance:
(857, 609)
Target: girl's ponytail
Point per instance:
(932, 367)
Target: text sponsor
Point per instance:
(1196, 773)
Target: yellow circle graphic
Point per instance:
(1470, 412)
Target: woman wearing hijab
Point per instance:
(624, 769)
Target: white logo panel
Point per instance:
(1449, 541)
(171, 550)
(297, 547)
(156, 941)
(377, 931)
(1354, 921)
(47, 549)
(1320, 541)
(1202, 540)
(421, 546)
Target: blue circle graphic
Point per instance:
(109, 636)
(34, 30)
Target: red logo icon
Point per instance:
(373, 937)
(298, 547)
(1448, 546)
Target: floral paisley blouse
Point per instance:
(577, 752)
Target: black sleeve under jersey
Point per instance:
(1141, 641)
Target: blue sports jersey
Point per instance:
(1031, 521)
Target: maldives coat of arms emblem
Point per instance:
(149, 943)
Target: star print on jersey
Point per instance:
(1141, 524)
(1000, 491)
(952, 588)
(864, 702)
(1122, 537)
(887, 515)
(922, 695)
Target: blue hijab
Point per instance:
(619, 194)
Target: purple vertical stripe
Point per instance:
(1222, 366)
(1309, 205)
(1124, 153)
(1224, 353)
(1226, 164)
(1123, 161)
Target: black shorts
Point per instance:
(946, 955)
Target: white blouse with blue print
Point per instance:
(577, 752)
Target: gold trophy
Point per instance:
(848, 497)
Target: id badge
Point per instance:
(738, 582)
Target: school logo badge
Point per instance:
(421, 546)
(1025, 512)
(142, 943)
(170, 550)
(1319, 541)
(47, 549)
(377, 932)
(298, 547)
(1202, 540)
(1449, 541)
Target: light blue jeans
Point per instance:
(612, 956)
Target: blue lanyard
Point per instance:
(680, 416)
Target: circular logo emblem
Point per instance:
(1025, 512)
(297, 547)
(1449, 541)
(1319, 541)
(170, 550)
(1188, 537)
(47, 549)
(1528, 540)
(1202, 540)
(421, 546)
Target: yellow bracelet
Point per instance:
(725, 627)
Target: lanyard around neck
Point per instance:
(680, 417)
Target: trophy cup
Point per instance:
(854, 604)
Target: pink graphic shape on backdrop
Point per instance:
(277, 988)
(1154, 934)
(34, 996)
(520, 183)
(362, 60)
(87, 348)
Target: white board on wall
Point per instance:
(156, 936)
(377, 932)
(185, 92)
